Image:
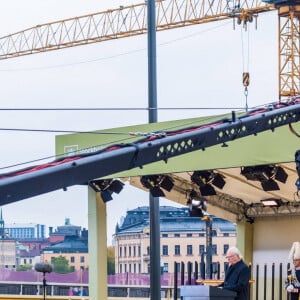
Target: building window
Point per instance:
(225, 248)
(189, 235)
(166, 267)
(201, 234)
(129, 268)
(121, 268)
(201, 249)
(72, 259)
(139, 251)
(215, 267)
(148, 250)
(214, 233)
(164, 235)
(125, 254)
(120, 251)
(214, 250)
(177, 250)
(140, 270)
(189, 249)
(82, 259)
(165, 250)
(134, 268)
(177, 235)
(134, 251)
(129, 248)
(226, 234)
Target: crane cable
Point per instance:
(246, 74)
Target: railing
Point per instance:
(267, 280)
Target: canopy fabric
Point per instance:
(265, 148)
(240, 198)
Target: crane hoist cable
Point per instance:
(245, 59)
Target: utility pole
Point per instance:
(155, 285)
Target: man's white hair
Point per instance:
(234, 250)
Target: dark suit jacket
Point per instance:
(237, 279)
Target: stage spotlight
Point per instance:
(207, 190)
(155, 183)
(106, 188)
(205, 180)
(116, 186)
(281, 175)
(266, 175)
(196, 206)
(270, 185)
(218, 181)
(167, 183)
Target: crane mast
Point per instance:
(289, 50)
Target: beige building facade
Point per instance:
(183, 240)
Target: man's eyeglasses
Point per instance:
(230, 256)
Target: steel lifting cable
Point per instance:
(246, 74)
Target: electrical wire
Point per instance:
(116, 108)
(148, 138)
(129, 136)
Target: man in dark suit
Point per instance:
(237, 275)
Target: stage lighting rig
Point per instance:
(106, 188)
(155, 184)
(206, 180)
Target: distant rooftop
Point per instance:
(172, 219)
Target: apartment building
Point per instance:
(183, 240)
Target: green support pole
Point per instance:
(245, 240)
(97, 246)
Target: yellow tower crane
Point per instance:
(132, 20)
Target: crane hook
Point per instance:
(246, 82)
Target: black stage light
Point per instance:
(155, 184)
(106, 196)
(266, 175)
(106, 188)
(156, 191)
(218, 181)
(207, 190)
(116, 186)
(205, 180)
(281, 175)
(270, 185)
(196, 206)
(151, 182)
(166, 183)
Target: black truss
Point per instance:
(84, 169)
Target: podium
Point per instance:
(205, 292)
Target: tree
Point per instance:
(110, 260)
(24, 267)
(60, 265)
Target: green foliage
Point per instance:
(61, 265)
(110, 260)
(24, 267)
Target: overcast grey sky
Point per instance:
(197, 66)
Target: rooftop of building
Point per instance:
(172, 219)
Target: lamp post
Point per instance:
(43, 268)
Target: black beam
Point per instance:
(129, 156)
